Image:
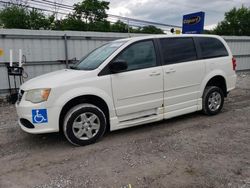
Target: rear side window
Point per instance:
(211, 47)
(177, 50)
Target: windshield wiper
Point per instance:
(73, 67)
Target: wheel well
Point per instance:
(92, 99)
(220, 82)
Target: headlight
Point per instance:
(37, 95)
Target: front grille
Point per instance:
(20, 95)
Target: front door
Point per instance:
(138, 92)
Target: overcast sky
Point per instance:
(171, 11)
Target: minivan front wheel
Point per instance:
(213, 100)
(84, 124)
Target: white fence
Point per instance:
(240, 47)
(46, 51)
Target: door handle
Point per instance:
(170, 71)
(155, 73)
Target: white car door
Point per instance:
(138, 91)
(183, 74)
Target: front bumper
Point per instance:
(24, 112)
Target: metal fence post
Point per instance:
(66, 50)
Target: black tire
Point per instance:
(72, 116)
(206, 104)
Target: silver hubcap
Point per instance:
(214, 101)
(86, 126)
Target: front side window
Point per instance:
(211, 47)
(139, 55)
(177, 50)
(95, 58)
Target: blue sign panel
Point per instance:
(39, 116)
(193, 23)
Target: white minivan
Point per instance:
(129, 82)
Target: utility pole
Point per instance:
(128, 28)
(56, 9)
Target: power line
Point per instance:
(60, 4)
(148, 22)
(38, 4)
(31, 7)
(53, 4)
(70, 7)
(50, 7)
(173, 2)
(50, 4)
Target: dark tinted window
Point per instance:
(176, 50)
(211, 47)
(139, 55)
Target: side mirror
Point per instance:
(118, 66)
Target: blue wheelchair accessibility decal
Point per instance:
(39, 116)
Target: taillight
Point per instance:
(234, 63)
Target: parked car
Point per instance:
(129, 82)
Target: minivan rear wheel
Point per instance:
(84, 124)
(213, 100)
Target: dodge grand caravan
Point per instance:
(129, 82)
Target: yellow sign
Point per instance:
(177, 31)
(1, 52)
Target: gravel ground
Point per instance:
(188, 151)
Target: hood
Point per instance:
(54, 79)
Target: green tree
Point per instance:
(103, 26)
(150, 29)
(18, 16)
(236, 22)
(14, 17)
(91, 10)
(119, 26)
(70, 23)
(37, 20)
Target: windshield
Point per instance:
(95, 58)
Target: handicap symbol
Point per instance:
(39, 116)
